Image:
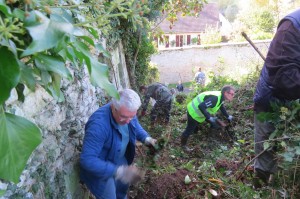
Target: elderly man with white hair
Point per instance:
(109, 147)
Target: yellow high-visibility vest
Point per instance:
(195, 112)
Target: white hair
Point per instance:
(129, 99)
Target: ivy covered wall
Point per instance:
(52, 170)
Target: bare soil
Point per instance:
(165, 175)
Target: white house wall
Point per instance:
(172, 37)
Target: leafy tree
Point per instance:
(262, 3)
(265, 21)
(231, 12)
(224, 4)
(211, 35)
(257, 22)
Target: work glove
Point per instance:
(213, 122)
(149, 141)
(230, 118)
(128, 174)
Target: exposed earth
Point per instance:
(169, 166)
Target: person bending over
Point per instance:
(201, 109)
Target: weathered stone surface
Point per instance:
(52, 170)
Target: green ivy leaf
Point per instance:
(297, 150)
(88, 40)
(266, 145)
(274, 134)
(2, 192)
(57, 95)
(45, 33)
(56, 83)
(93, 31)
(18, 138)
(103, 51)
(82, 53)
(9, 73)
(288, 156)
(4, 8)
(98, 71)
(53, 64)
(18, 13)
(264, 116)
(68, 53)
(45, 78)
(283, 143)
(241, 141)
(27, 77)
(63, 13)
(54, 88)
(99, 76)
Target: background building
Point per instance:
(187, 30)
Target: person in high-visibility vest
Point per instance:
(201, 109)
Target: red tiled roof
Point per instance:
(208, 16)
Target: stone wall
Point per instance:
(227, 59)
(52, 170)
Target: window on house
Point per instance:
(198, 40)
(188, 42)
(160, 41)
(179, 40)
(167, 42)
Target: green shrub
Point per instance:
(211, 36)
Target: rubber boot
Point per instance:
(183, 144)
(261, 178)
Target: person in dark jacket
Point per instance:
(163, 101)
(180, 87)
(109, 147)
(201, 109)
(279, 82)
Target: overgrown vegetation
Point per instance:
(138, 49)
(41, 42)
(37, 40)
(211, 36)
(257, 18)
(220, 165)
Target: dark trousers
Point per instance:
(161, 108)
(267, 160)
(192, 126)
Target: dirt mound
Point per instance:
(169, 186)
